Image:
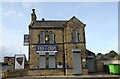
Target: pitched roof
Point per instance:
(76, 19)
(49, 23)
(89, 53)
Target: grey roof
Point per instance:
(49, 23)
(89, 53)
(8, 57)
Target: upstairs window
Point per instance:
(51, 37)
(42, 37)
(75, 36)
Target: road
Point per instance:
(71, 77)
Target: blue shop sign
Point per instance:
(46, 48)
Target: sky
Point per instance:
(101, 19)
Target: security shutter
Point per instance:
(90, 64)
(77, 67)
(42, 61)
(52, 60)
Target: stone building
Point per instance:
(57, 47)
(9, 61)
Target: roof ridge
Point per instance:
(52, 21)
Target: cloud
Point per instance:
(11, 43)
(1, 32)
(1, 42)
(1, 59)
(9, 13)
(27, 4)
(11, 38)
(20, 14)
(13, 13)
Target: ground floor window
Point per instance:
(47, 60)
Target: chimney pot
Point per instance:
(43, 19)
(33, 10)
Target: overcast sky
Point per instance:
(101, 19)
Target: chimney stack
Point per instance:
(33, 16)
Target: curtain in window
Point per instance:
(42, 37)
(51, 37)
(75, 35)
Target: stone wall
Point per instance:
(34, 39)
(45, 72)
(17, 73)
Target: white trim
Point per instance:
(51, 53)
(75, 49)
(42, 53)
(45, 51)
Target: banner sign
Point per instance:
(19, 61)
(46, 48)
(26, 39)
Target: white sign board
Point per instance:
(19, 61)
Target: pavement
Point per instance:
(70, 77)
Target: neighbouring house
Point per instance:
(91, 61)
(10, 61)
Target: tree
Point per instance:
(112, 54)
(99, 54)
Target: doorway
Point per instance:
(77, 66)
